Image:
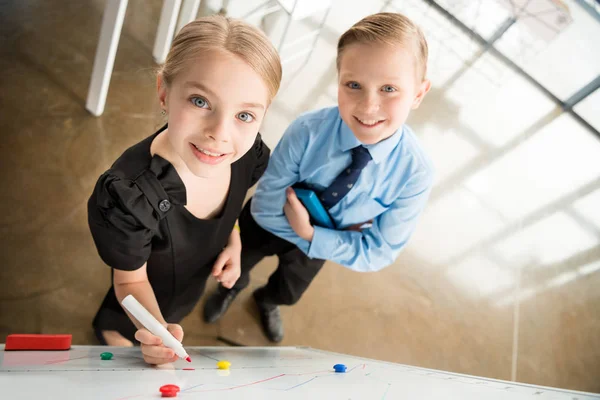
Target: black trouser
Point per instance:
(294, 272)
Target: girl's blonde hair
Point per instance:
(217, 32)
(388, 28)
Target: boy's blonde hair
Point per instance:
(217, 32)
(388, 28)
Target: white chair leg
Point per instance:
(286, 29)
(224, 7)
(290, 17)
(166, 30)
(189, 10)
(110, 32)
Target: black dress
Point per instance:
(136, 214)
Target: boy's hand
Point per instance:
(298, 216)
(227, 268)
(152, 348)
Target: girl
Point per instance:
(164, 215)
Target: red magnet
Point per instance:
(169, 390)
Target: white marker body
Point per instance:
(152, 324)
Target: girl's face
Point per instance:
(215, 106)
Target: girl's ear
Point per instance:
(161, 88)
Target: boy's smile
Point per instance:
(369, 123)
(378, 87)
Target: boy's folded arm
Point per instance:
(374, 248)
(282, 172)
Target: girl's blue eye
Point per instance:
(245, 117)
(353, 85)
(388, 88)
(199, 102)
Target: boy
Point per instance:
(366, 166)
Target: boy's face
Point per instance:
(377, 88)
(215, 107)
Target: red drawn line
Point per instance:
(234, 387)
(240, 386)
(356, 366)
(60, 361)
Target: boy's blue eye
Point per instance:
(245, 117)
(199, 102)
(353, 85)
(388, 88)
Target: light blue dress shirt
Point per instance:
(392, 190)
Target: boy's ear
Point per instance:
(161, 88)
(423, 89)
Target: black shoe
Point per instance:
(218, 303)
(270, 318)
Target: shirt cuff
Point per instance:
(324, 243)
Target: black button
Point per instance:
(164, 205)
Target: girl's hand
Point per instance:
(298, 216)
(227, 268)
(153, 350)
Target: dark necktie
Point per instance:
(346, 179)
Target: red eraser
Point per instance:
(37, 342)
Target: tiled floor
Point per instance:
(501, 278)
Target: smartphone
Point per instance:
(316, 210)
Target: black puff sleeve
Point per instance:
(122, 222)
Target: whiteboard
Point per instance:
(256, 373)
